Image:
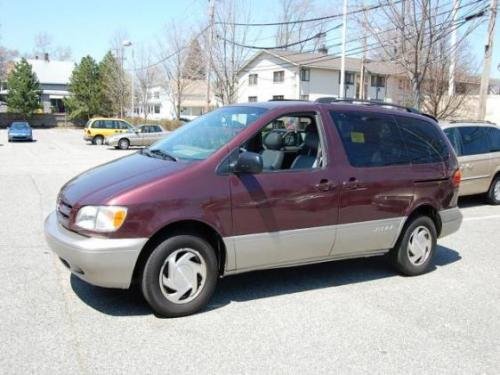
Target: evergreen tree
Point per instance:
(24, 89)
(194, 64)
(86, 95)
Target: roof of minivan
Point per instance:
(459, 124)
(336, 106)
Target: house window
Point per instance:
(377, 81)
(252, 79)
(252, 99)
(348, 78)
(279, 76)
(305, 74)
(157, 95)
(157, 108)
(278, 97)
(304, 97)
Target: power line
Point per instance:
(337, 15)
(318, 35)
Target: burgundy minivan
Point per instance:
(257, 186)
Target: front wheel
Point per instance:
(180, 276)
(416, 246)
(494, 192)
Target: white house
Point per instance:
(280, 74)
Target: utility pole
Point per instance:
(211, 12)
(488, 49)
(362, 93)
(451, 80)
(342, 61)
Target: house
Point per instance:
(54, 79)
(159, 102)
(282, 74)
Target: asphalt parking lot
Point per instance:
(355, 316)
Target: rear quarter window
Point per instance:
(424, 141)
(494, 137)
(370, 140)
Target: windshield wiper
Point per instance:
(158, 153)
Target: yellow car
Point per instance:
(97, 129)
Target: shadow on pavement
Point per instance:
(472, 201)
(256, 285)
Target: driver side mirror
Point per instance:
(247, 163)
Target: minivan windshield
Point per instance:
(201, 137)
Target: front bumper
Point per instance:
(99, 261)
(20, 137)
(87, 137)
(451, 219)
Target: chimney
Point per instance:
(36, 57)
(46, 56)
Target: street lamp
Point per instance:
(128, 43)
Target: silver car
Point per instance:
(477, 145)
(143, 135)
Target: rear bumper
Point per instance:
(451, 219)
(99, 261)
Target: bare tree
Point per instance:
(227, 56)
(411, 32)
(295, 10)
(147, 75)
(43, 44)
(180, 65)
(6, 58)
(436, 101)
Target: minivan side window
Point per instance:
(494, 139)
(474, 140)
(423, 140)
(370, 140)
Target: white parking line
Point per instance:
(481, 217)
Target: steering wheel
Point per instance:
(290, 138)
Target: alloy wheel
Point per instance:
(182, 276)
(496, 191)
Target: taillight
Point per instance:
(457, 177)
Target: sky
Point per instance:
(88, 27)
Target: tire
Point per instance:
(494, 191)
(173, 297)
(415, 247)
(98, 140)
(123, 144)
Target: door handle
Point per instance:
(324, 185)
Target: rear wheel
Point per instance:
(180, 276)
(123, 144)
(416, 246)
(494, 192)
(98, 140)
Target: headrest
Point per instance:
(311, 141)
(273, 141)
(311, 128)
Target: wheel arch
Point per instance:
(425, 209)
(193, 227)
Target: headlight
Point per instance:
(101, 218)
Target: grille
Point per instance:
(63, 212)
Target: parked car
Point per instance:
(477, 145)
(97, 129)
(232, 191)
(20, 131)
(143, 135)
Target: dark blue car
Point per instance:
(20, 131)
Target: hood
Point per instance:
(109, 180)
